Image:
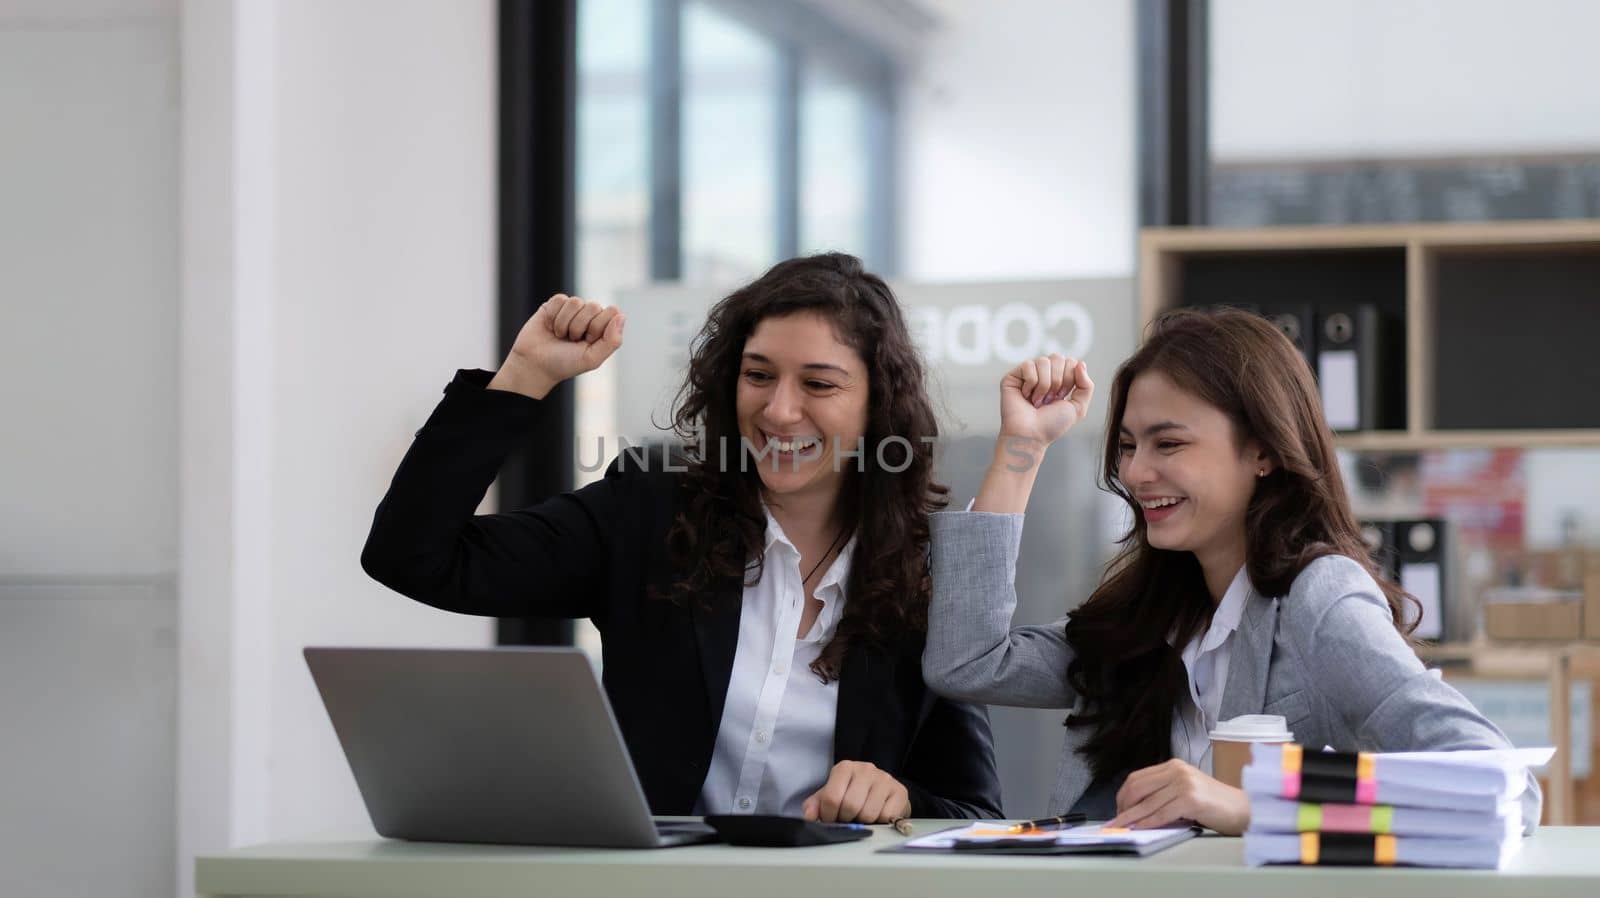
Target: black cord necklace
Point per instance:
(838, 536)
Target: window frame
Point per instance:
(800, 36)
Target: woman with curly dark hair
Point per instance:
(1242, 587)
(762, 600)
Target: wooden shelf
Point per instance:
(1273, 239)
(1404, 441)
(1529, 658)
(1439, 298)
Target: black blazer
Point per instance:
(593, 553)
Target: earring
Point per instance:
(1261, 473)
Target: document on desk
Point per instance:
(988, 837)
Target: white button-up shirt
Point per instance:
(1206, 660)
(775, 743)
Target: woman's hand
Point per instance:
(565, 337)
(1042, 398)
(1176, 791)
(857, 791)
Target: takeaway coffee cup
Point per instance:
(1231, 741)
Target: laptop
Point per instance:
(512, 746)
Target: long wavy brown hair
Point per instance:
(718, 536)
(1124, 665)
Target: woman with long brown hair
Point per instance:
(1242, 587)
(762, 602)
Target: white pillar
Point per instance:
(226, 412)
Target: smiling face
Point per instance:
(802, 398)
(1193, 478)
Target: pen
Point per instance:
(1046, 823)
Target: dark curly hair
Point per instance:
(718, 536)
(1130, 675)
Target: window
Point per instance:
(713, 139)
(834, 169)
(730, 147)
(716, 137)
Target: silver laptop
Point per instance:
(511, 745)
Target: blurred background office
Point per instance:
(244, 243)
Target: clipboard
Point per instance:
(1086, 839)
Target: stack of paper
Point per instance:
(1427, 809)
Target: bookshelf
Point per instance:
(1466, 304)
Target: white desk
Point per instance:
(1556, 861)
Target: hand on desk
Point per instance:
(1173, 791)
(858, 792)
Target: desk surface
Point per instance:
(1555, 861)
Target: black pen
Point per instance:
(1047, 823)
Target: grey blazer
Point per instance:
(1326, 657)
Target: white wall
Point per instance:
(386, 285)
(88, 272)
(88, 460)
(1018, 142)
(339, 236)
(1362, 78)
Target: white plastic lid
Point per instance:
(1254, 728)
